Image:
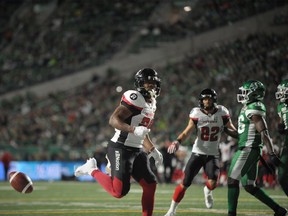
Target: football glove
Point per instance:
(157, 157)
(173, 147)
(141, 131)
(275, 159)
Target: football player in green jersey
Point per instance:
(282, 110)
(253, 133)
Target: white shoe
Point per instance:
(208, 198)
(108, 166)
(87, 168)
(170, 214)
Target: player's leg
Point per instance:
(234, 174)
(244, 164)
(108, 166)
(118, 184)
(212, 171)
(143, 174)
(249, 185)
(250, 172)
(191, 170)
(283, 170)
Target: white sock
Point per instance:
(208, 189)
(173, 206)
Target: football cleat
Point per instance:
(280, 212)
(87, 168)
(208, 198)
(170, 214)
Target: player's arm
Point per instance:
(148, 144)
(282, 126)
(182, 137)
(152, 150)
(261, 127)
(186, 132)
(231, 130)
(117, 119)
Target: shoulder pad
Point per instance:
(223, 110)
(134, 98)
(194, 112)
(256, 108)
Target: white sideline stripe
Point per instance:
(13, 176)
(26, 187)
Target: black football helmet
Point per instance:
(145, 75)
(207, 93)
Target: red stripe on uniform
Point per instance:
(130, 104)
(226, 116)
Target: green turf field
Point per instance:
(88, 198)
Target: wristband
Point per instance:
(179, 140)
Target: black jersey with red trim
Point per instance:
(143, 115)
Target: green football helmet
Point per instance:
(282, 91)
(250, 91)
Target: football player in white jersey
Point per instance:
(253, 134)
(210, 120)
(132, 120)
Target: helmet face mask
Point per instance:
(282, 91)
(207, 93)
(148, 75)
(250, 91)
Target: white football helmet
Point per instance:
(282, 91)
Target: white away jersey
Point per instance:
(209, 129)
(143, 115)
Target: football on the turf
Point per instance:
(20, 182)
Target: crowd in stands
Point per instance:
(203, 16)
(69, 124)
(41, 41)
(46, 40)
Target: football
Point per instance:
(20, 182)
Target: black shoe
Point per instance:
(280, 212)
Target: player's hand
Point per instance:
(173, 147)
(274, 159)
(141, 131)
(282, 130)
(157, 157)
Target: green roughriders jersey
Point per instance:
(282, 110)
(248, 135)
